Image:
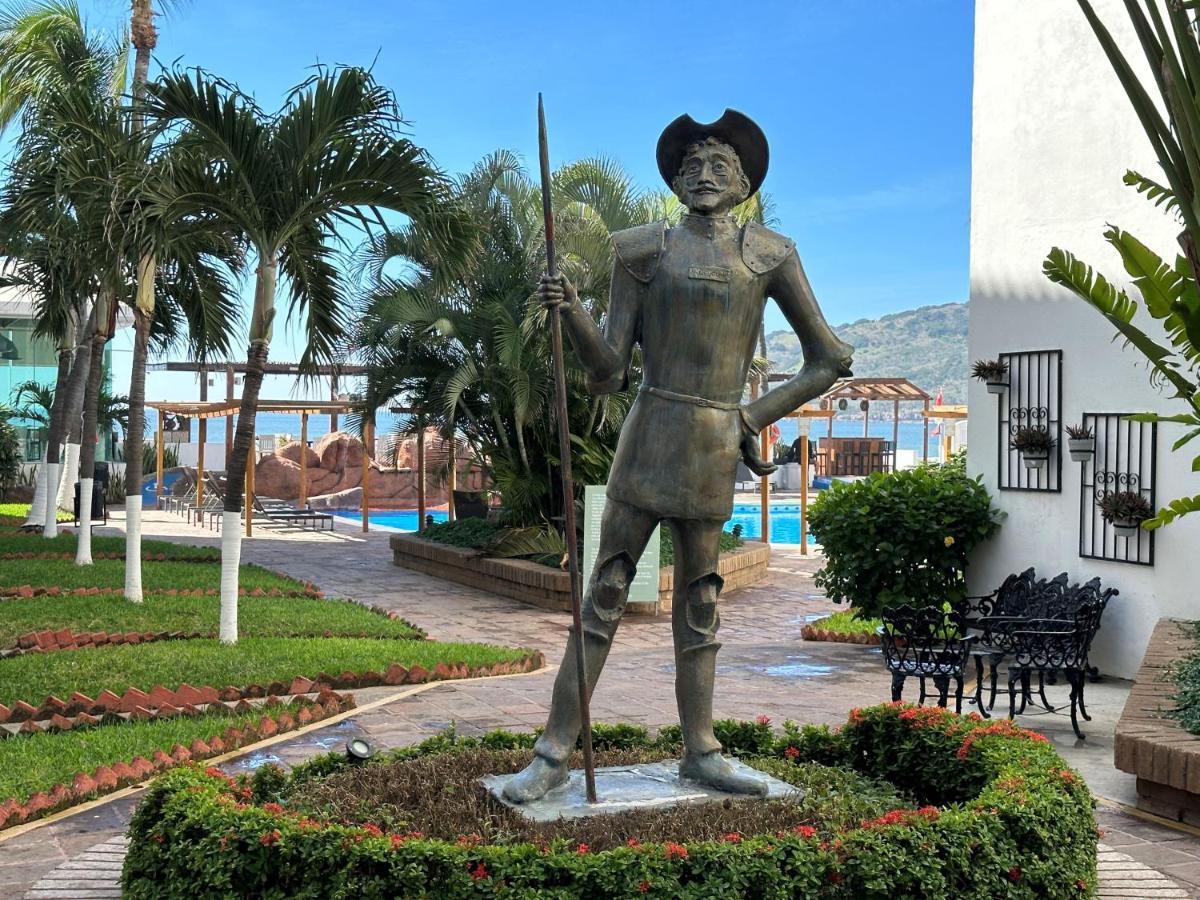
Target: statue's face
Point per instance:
(710, 180)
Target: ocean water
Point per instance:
(843, 426)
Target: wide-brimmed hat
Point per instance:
(736, 129)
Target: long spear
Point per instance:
(564, 453)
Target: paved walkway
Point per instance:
(764, 668)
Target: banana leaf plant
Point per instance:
(1167, 32)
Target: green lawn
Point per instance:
(34, 676)
(29, 542)
(156, 576)
(257, 617)
(38, 762)
(16, 514)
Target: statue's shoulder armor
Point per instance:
(763, 249)
(640, 248)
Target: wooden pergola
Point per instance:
(897, 390)
(205, 410)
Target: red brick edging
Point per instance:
(63, 714)
(109, 778)
(113, 554)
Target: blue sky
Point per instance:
(866, 104)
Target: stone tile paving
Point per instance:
(764, 668)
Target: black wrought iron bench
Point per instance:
(928, 642)
(1040, 626)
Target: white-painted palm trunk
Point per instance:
(133, 549)
(70, 472)
(37, 507)
(231, 558)
(83, 547)
(50, 509)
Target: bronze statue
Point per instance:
(692, 297)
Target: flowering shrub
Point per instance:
(1002, 816)
(901, 537)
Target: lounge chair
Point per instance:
(282, 513)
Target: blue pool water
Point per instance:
(785, 520)
(400, 519)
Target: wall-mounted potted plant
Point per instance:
(993, 372)
(1034, 444)
(1125, 511)
(1081, 441)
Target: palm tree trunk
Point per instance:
(144, 38)
(133, 458)
(37, 508)
(72, 425)
(235, 468)
(88, 441)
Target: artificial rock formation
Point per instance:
(335, 473)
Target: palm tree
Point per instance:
(333, 156)
(470, 349)
(84, 170)
(44, 47)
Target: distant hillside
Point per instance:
(928, 346)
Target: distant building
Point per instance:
(1053, 134)
(24, 357)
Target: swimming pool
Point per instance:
(396, 519)
(785, 520)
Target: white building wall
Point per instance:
(1053, 133)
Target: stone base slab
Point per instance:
(548, 588)
(623, 788)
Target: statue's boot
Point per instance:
(702, 760)
(607, 594)
(696, 649)
(553, 749)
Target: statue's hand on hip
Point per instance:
(750, 452)
(555, 291)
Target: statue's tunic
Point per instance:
(692, 297)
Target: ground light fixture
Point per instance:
(359, 749)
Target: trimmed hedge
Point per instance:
(1004, 817)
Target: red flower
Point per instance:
(479, 871)
(581, 849)
(1014, 874)
(270, 837)
(763, 720)
(805, 831)
(633, 842)
(214, 772)
(644, 887)
(674, 850)
(791, 753)
(273, 808)
(373, 830)
(732, 838)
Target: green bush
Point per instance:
(10, 457)
(1015, 823)
(474, 533)
(901, 537)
